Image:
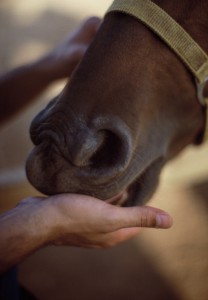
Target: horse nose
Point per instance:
(106, 143)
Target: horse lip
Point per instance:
(120, 199)
(125, 198)
(141, 189)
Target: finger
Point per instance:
(111, 239)
(91, 25)
(144, 216)
(119, 236)
(86, 31)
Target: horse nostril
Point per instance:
(107, 145)
(107, 154)
(83, 146)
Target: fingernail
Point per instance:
(163, 221)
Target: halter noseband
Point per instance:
(175, 37)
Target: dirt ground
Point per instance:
(157, 265)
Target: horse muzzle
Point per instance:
(76, 155)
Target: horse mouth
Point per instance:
(120, 199)
(140, 190)
(63, 178)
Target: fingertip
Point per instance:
(163, 221)
(93, 22)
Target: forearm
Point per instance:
(23, 230)
(20, 86)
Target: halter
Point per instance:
(175, 37)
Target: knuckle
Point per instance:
(147, 219)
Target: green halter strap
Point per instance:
(175, 36)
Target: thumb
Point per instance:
(145, 216)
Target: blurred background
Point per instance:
(171, 264)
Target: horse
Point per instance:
(129, 108)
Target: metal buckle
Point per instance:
(200, 91)
(204, 102)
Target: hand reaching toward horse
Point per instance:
(20, 86)
(70, 220)
(61, 61)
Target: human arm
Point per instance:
(21, 85)
(70, 220)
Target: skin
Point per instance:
(67, 219)
(70, 220)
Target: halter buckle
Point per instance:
(204, 102)
(200, 91)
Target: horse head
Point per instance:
(129, 108)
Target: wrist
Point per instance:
(33, 217)
(23, 230)
(55, 223)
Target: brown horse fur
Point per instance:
(130, 107)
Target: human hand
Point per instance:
(70, 220)
(83, 221)
(62, 60)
